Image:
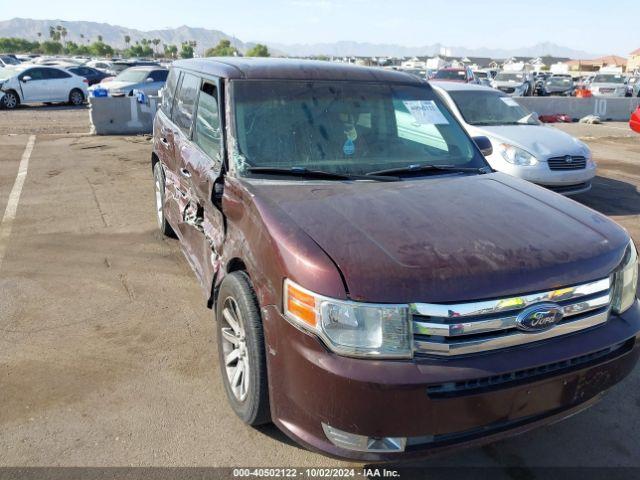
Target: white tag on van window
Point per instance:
(509, 101)
(425, 112)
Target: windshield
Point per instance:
(491, 108)
(480, 74)
(9, 60)
(559, 81)
(345, 127)
(132, 76)
(449, 75)
(509, 77)
(608, 79)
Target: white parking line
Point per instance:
(14, 197)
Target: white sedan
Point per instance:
(34, 84)
(522, 146)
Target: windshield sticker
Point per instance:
(509, 101)
(425, 112)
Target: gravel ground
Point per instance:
(107, 352)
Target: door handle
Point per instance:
(185, 173)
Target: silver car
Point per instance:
(522, 146)
(145, 79)
(609, 85)
(518, 84)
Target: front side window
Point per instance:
(34, 73)
(55, 74)
(186, 101)
(490, 108)
(345, 127)
(207, 127)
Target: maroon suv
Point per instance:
(379, 292)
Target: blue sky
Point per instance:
(596, 26)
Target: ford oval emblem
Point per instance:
(540, 317)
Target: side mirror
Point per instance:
(26, 78)
(149, 80)
(484, 144)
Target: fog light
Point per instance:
(362, 443)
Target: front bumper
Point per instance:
(567, 182)
(310, 386)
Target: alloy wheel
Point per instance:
(234, 345)
(10, 100)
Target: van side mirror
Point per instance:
(149, 80)
(26, 78)
(484, 144)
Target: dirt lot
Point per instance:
(107, 352)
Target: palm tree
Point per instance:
(100, 38)
(39, 34)
(63, 33)
(127, 40)
(156, 42)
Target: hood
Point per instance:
(608, 85)
(508, 83)
(449, 239)
(541, 141)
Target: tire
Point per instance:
(10, 100)
(76, 97)
(158, 179)
(241, 348)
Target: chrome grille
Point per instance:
(567, 162)
(459, 329)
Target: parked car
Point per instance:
(120, 66)
(375, 284)
(464, 75)
(634, 121)
(93, 75)
(635, 92)
(522, 146)
(8, 60)
(519, 84)
(482, 77)
(31, 84)
(145, 79)
(105, 66)
(608, 85)
(558, 85)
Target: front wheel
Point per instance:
(76, 97)
(241, 350)
(10, 100)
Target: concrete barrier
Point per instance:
(122, 115)
(607, 108)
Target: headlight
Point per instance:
(351, 328)
(516, 156)
(625, 281)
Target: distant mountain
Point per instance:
(358, 49)
(205, 38)
(114, 34)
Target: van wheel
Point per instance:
(241, 349)
(10, 100)
(158, 180)
(76, 97)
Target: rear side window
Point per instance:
(207, 129)
(186, 102)
(169, 91)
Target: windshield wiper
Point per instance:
(321, 174)
(428, 168)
